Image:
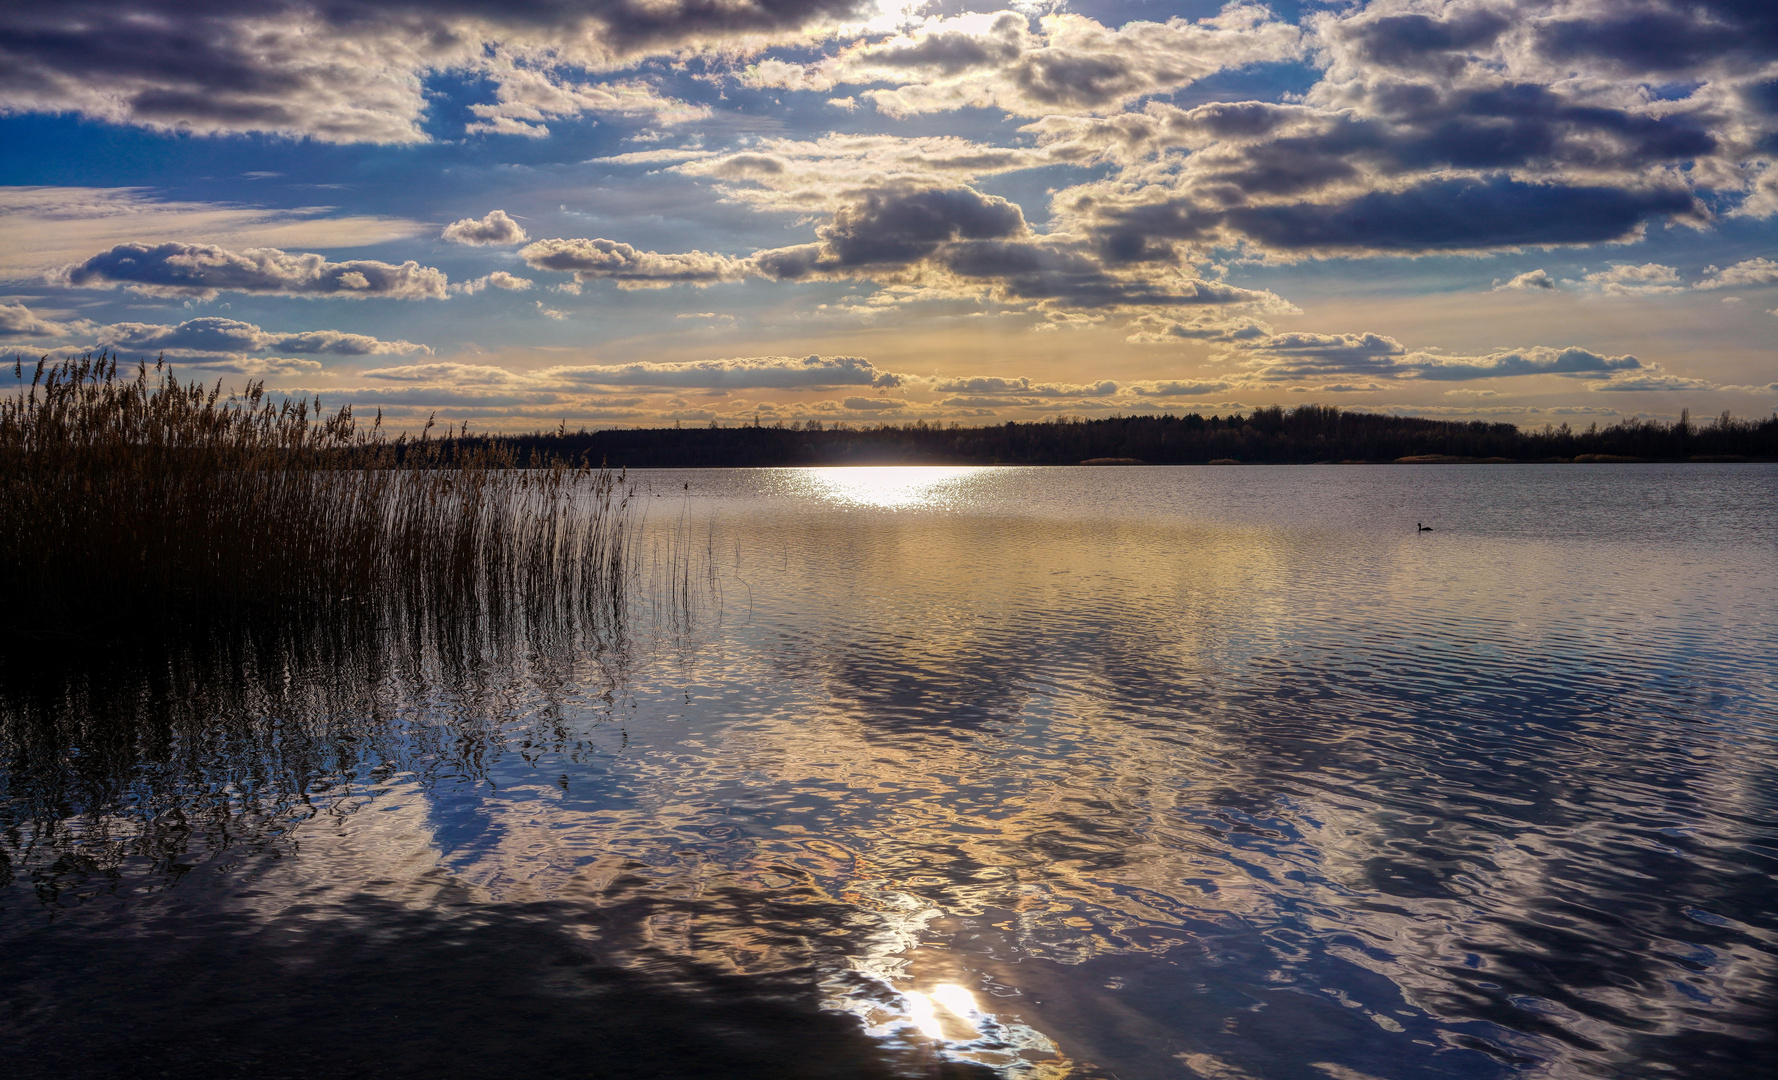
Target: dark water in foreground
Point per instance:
(1225, 773)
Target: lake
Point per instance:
(1225, 772)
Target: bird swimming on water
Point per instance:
(1422, 527)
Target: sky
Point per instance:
(524, 213)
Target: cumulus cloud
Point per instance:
(210, 334)
(924, 241)
(19, 321)
(1440, 125)
(204, 270)
(1747, 274)
(1529, 281)
(630, 267)
(357, 73)
(495, 228)
(1069, 64)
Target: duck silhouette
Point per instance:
(1422, 527)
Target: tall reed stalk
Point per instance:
(134, 504)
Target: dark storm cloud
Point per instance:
(203, 270)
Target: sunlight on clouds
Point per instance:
(45, 227)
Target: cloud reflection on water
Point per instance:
(1161, 791)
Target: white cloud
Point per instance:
(495, 228)
(1649, 279)
(499, 279)
(1069, 64)
(19, 321)
(1528, 281)
(526, 97)
(1747, 274)
(592, 260)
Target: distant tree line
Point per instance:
(1274, 435)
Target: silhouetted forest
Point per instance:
(1306, 434)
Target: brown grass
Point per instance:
(133, 504)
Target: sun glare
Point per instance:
(893, 486)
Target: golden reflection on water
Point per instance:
(892, 487)
(1007, 752)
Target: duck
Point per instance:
(1422, 527)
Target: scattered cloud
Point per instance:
(1530, 280)
(210, 334)
(527, 96)
(593, 260)
(205, 270)
(1068, 63)
(499, 279)
(19, 321)
(495, 228)
(1651, 381)
(751, 373)
(358, 74)
(1299, 356)
(42, 228)
(1747, 274)
(1649, 279)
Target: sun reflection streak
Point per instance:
(890, 486)
(959, 1003)
(920, 1011)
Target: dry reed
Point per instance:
(134, 504)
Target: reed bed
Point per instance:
(133, 504)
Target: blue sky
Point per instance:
(613, 212)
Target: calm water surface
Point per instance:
(1160, 772)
